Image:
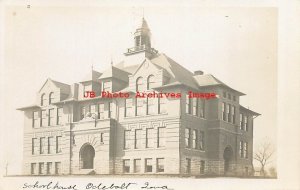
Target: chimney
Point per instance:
(198, 72)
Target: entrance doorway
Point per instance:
(227, 155)
(87, 154)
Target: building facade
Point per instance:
(66, 132)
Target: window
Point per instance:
(202, 167)
(148, 165)
(245, 150)
(58, 144)
(162, 106)
(126, 166)
(195, 139)
(59, 116)
(43, 100)
(195, 106)
(35, 119)
(106, 86)
(150, 106)
(223, 111)
(202, 141)
(127, 139)
(44, 118)
(42, 145)
(57, 167)
(233, 114)
(150, 82)
(187, 137)
(202, 108)
(188, 102)
(161, 142)
(138, 139)
(128, 107)
(139, 84)
(33, 168)
(160, 165)
(137, 165)
(82, 113)
(93, 109)
(41, 168)
(101, 137)
(139, 106)
(245, 123)
(111, 110)
(241, 149)
(241, 122)
(50, 145)
(233, 98)
(149, 138)
(101, 111)
(49, 167)
(51, 98)
(229, 96)
(224, 94)
(51, 118)
(228, 112)
(188, 166)
(34, 146)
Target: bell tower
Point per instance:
(142, 43)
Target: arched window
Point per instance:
(150, 82)
(43, 100)
(87, 154)
(51, 98)
(139, 84)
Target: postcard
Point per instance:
(145, 95)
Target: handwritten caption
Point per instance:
(90, 186)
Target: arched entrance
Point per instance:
(87, 154)
(227, 155)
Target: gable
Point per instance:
(146, 68)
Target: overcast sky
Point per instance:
(236, 45)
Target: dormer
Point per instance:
(52, 92)
(147, 76)
(90, 83)
(113, 79)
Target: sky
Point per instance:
(236, 45)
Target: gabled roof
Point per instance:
(178, 72)
(147, 60)
(92, 76)
(114, 72)
(65, 88)
(209, 80)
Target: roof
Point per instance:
(65, 88)
(209, 80)
(28, 107)
(252, 112)
(115, 73)
(92, 76)
(178, 72)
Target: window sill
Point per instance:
(194, 149)
(53, 154)
(144, 149)
(140, 116)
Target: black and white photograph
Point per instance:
(148, 95)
